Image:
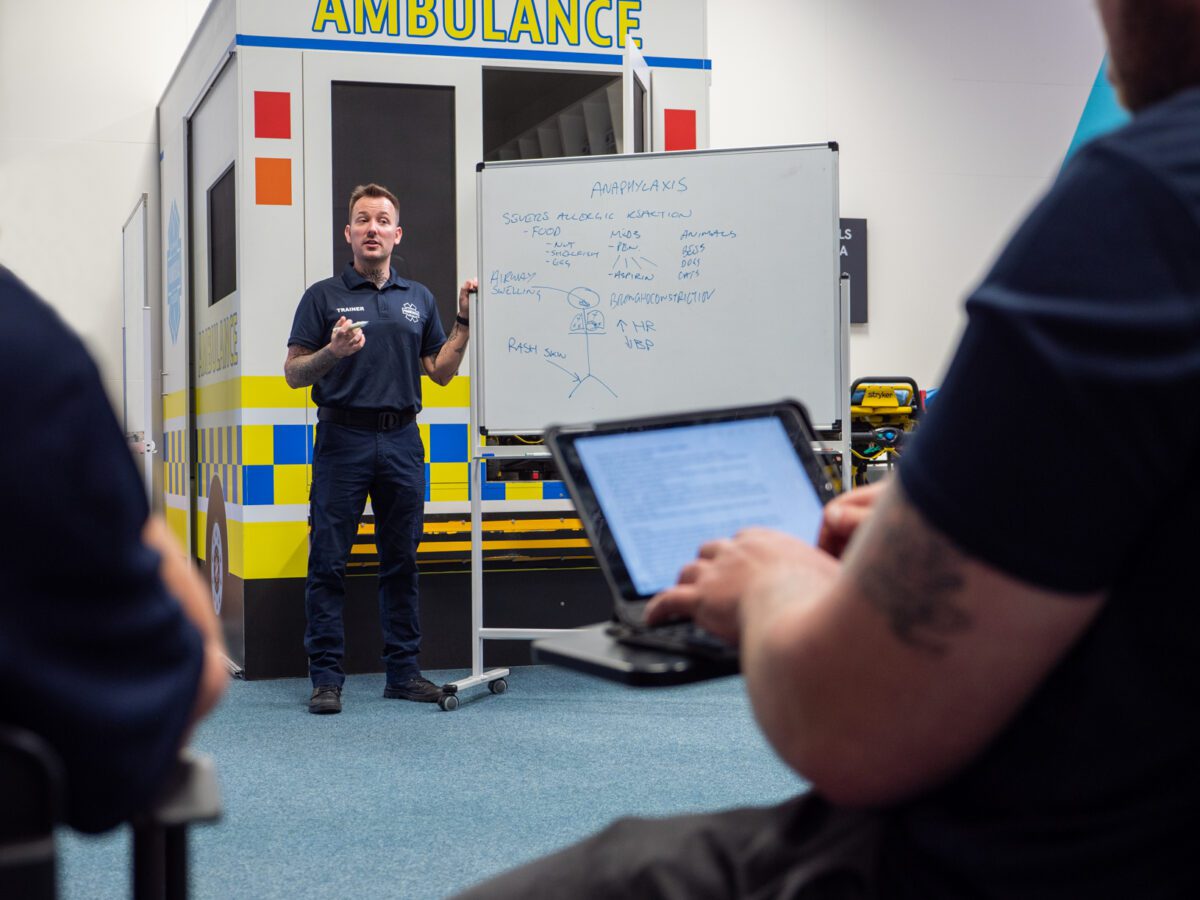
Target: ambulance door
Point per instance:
(213, 300)
(412, 125)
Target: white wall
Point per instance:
(952, 117)
(79, 82)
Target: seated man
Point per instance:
(999, 674)
(109, 648)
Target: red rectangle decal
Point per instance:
(679, 129)
(272, 114)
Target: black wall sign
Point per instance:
(854, 264)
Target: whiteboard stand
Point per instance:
(495, 679)
(551, 235)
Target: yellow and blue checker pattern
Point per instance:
(264, 465)
(175, 476)
(447, 457)
(259, 465)
(275, 462)
(219, 450)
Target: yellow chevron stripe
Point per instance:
(219, 397)
(465, 546)
(517, 526)
(271, 392)
(174, 404)
(456, 393)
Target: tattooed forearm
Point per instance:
(441, 368)
(304, 367)
(912, 575)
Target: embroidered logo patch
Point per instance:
(411, 312)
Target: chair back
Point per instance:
(31, 798)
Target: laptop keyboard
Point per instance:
(686, 638)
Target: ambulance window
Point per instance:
(534, 115)
(222, 238)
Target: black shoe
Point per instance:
(326, 698)
(422, 690)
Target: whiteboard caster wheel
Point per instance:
(449, 703)
(499, 686)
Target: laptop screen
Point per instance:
(665, 491)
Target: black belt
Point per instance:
(371, 419)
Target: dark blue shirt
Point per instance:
(1059, 451)
(95, 655)
(403, 327)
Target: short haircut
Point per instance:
(371, 190)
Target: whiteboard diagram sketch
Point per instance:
(588, 321)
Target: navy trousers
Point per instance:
(349, 463)
(803, 849)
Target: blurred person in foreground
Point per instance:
(988, 670)
(109, 647)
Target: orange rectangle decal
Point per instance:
(272, 181)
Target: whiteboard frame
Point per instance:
(839, 377)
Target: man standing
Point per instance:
(363, 339)
(1002, 663)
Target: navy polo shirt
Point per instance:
(403, 327)
(95, 655)
(1085, 337)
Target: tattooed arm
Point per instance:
(304, 367)
(443, 365)
(881, 676)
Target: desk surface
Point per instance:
(590, 649)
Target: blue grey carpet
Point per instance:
(398, 799)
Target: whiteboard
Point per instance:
(639, 284)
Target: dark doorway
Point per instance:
(401, 136)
